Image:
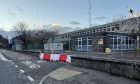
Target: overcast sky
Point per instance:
(69, 13)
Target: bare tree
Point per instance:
(43, 35)
(23, 34)
(34, 36)
(119, 18)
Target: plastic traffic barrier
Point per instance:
(47, 57)
(63, 57)
(55, 57)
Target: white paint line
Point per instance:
(30, 78)
(30, 64)
(43, 79)
(12, 62)
(22, 70)
(41, 82)
(16, 66)
(3, 58)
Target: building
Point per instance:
(4, 43)
(115, 36)
(16, 43)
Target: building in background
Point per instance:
(16, 43)
(4, 43)
(115, 36)
(112, 37)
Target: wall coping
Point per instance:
(113, 60)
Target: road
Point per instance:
(17, 68)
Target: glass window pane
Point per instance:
(89, 42)
(115, 41)
(79, 42)
(84, 42)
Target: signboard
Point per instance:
(53, 46)
(100, 41)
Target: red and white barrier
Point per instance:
(55, 57)
(41, 55)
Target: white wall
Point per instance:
(16, 47)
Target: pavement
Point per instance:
(26, 69)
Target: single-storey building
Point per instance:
(110, 37)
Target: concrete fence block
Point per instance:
(119, 67)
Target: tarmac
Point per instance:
(70, 74)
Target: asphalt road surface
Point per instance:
(17, 68)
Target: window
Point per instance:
(113, 28)
(104, 29)
(119, 42)
(108, 29)
(93, 30)
(89, 42)
(87, 31)
(117, 27)
(83, 43)
(79, 43)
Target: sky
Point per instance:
(66, 14)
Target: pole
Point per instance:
(69, 44)
(89, 12)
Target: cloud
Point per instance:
(11, 13)
(56, 27)
(16, 8)
(14, 11)
(100, 17)
(61, 29)
(74, 22)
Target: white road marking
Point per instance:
(16, 66)
(3, 58)
(30, 64)
(43, 79)
(30, 78)
(22, 70)
(12, 62)
(41, 61)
